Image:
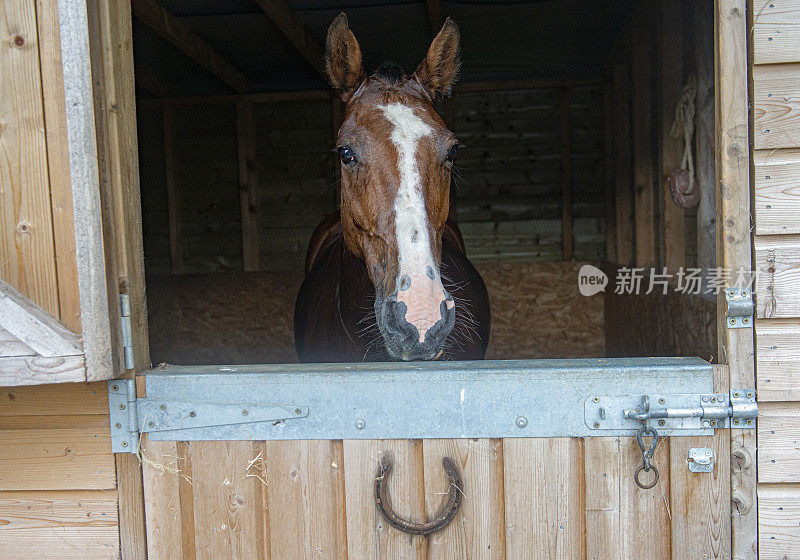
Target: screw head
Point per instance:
(596, 425)
(713, 399)
(122, 407)
(163, 407)
(151, 424)
(361, 424)
(298, 411)
(749, 422)
(736, 394)
(735, 421)
(118, 425)
(521, 421)
(115, 387)
(713, 423)
(661, 400)
(749, 395)
(745, 320)
(732, 321)
(661, 422)
(245, 412)
(193, 414)
(596, 399)
(124, 444)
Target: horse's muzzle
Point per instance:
(402, 339)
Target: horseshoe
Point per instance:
(440, 520)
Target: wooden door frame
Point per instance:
(734, 249)
(733, 56)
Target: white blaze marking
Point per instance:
(411, 222)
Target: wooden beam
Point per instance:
(671, 55)
(175, 32)
(641, 127)
(173, 196)
(622, 165)
(704, 131)
(248, 185)
(34, 326)
(287, 23)
(734, 248)
(566, 177)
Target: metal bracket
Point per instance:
(672, 411)
(701, 459)
(739, 308)
(131, 416)
(127, 337)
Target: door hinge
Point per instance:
(131, 416)
(739, 308)
(675, 411)
(127, 338)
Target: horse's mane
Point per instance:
(390, 73)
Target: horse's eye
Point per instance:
(451, 154)
(347, 155)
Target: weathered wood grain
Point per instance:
(305, 487)
(778, 277)
(734, 250)
(478, 530)
(165, 512)
(369, 536)
(779, 442)
(776, 31)
(544, 498)
(53, 459)
(56, 525)
(26, 227)
(777, 192)
(35, 370)
(55, 400)
(228, 505)
(603, 473)
(778, 529)
(776, 98)
(58, 163)
(778, 359)
(10, 345)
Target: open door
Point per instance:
(69, 191)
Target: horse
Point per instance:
(387, 277)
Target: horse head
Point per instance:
(396, 159)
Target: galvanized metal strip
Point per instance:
(517, 398)
(161, 415)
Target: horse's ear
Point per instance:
(439, 70)
(343, 58)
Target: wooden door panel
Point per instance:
(522, 498)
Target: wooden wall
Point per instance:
(776, 144)
(509, 187)
(58, 496)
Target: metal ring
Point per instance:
(440, 520)
(646, 486)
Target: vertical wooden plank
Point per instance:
(734, 248)
(305, 483)
(704, 134)
(699, 501)
(163, 508)
(228, 504)
(642, 133)
(622, 165)
(608, 147)
(645, 514)
(248, 184)
(369, 536)
(566, 177)
(478, 531)
(544, 498)
(58, 164)
(604, 469)
(26, 228)
(173, 196)
(671, 56)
